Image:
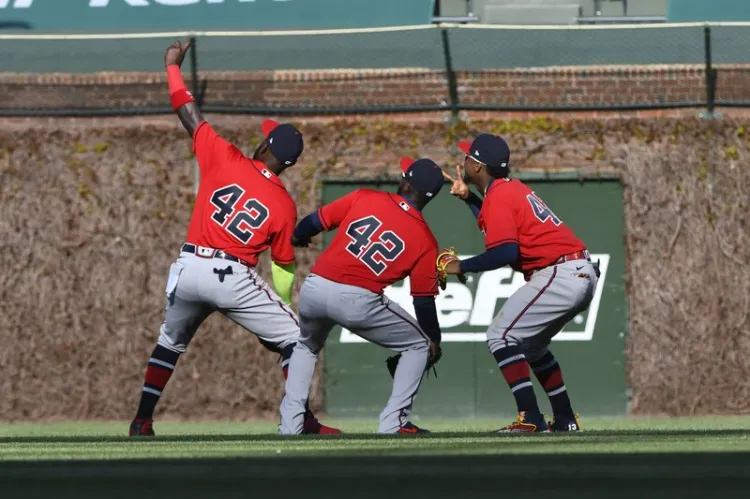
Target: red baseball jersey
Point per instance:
(381, 239)
(511, 212)
(242, 208)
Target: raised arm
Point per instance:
(181, 99)
(461, 190)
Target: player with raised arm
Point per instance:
(521, 231)
(382, 238)
(241, 210)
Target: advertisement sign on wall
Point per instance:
(98, 16)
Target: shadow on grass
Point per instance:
(585, 436)
(390, 477)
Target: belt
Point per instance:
(578, 255)
(204, 252)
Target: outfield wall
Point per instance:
(93, 211)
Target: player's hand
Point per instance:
(299, 243)
(448, 259)
(436, 353)
(459, 187)
(454, 268)
(434, 348)
(176, 53)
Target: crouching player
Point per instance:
(382, 238)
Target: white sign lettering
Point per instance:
(17, 4)
(177, 2)
(457, 307)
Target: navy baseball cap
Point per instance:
(423, 174)
(284, 140)
(490, 150)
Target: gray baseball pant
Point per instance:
(541, 308)
(322, 305)
(200, 286)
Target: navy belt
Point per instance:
(204, 252)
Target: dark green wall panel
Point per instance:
(590, 349)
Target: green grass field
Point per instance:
(612, 458)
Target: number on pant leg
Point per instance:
(377, 253)
(540, 210)
(252, 216)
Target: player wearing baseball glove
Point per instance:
(522, 232)
(346, 286)
(444, 258)
(436, 353)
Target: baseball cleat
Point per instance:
(142, 428)
(410, 428)
(312, 426)
(565, 424)
(526, 423)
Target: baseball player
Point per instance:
(521, 231)
(242, 209)
(382, 238)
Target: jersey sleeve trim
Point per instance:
(283, 262)
(424, 293)
(323, 222)
(498, 243)
(197, 129)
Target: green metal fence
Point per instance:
(451, 54)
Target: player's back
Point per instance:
(380, 240)
(541, 235)
(241, 208)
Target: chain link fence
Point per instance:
(393, 69)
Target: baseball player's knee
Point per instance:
(418, 344)
(533, 354)
(313, 342)
(172, 341)
(496, 342)
(279, 346)
(421, 346)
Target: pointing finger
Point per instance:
(460, 171)
(448, 177)
(187, 46)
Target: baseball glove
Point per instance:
(392, 362)
(443, 259)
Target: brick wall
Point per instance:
(565, 87)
